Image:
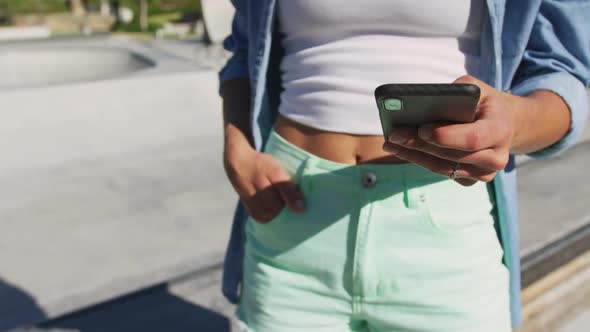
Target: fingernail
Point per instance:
(299, 205)
(398, 137)
(391, 149)
(425, 132)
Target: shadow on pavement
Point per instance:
(148, 311)
(17, 307)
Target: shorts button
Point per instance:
(369, 179)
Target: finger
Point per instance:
(287, 189)
(479, 135)
(401, 135)
(465, 182)
(267, 202)
(440, 166)
(484, 88)
(487, 158)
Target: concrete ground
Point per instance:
(108, 187)
(579, 322)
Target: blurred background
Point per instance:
(114, 207)
(141, 17)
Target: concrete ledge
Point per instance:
(551, 300)
(83, 54)
(553, 199)
(20, 33)
(540, 263)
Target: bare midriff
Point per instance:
(338, 147)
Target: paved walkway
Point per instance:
(578, 320)
(579, 323)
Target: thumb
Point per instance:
(287, 189)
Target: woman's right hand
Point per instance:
(261, 182)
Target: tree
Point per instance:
(77, 7)
(143, 14)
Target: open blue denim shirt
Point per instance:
(525, 46)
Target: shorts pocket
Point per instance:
(279, 234)
(264, 228)
(449, 207)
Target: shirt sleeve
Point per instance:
(557, 58)
(237, 43)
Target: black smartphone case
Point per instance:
(427, 103)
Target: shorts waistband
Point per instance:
(293, 154)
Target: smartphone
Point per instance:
(417, 104)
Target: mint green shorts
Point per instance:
(379, 248)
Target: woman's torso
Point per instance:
(507, 29)
(336, 54)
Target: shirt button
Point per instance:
(369, 179)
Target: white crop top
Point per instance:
(338, 52)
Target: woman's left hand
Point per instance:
(481, 147)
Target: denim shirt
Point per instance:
(525, 46)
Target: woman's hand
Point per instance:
(482, 148)
(261, 182)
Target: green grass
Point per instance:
(157, 21)
(170, 6)
(160, 11)
(32, 6)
